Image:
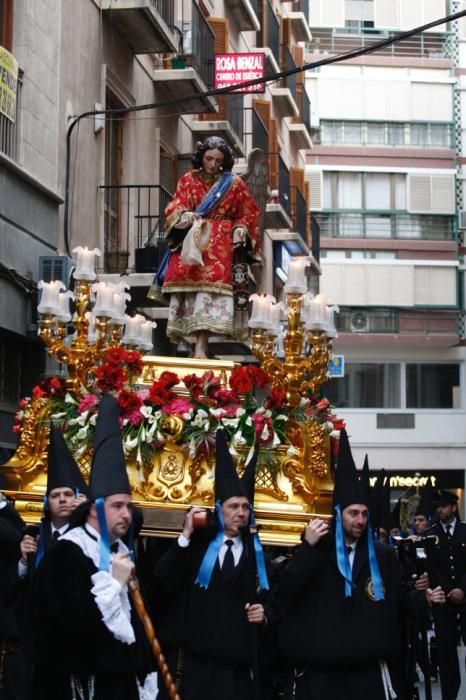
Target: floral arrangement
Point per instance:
(249, 410)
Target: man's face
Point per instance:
(61, 503)
(235, 512)
(118, 514)
(354, 520)
(446, 512)
(420, 524)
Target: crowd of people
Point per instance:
(342, 616)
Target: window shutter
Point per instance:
(274, 151)
(183, 164)
(167, 171)
(221, 45)
(431, 194)
(296, 181)
(315, 186)
(386, 14)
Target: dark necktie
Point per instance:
(55, 535)
(114, 548)
(448, 530)
(349, 549)
(228, 565)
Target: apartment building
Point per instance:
(104, 180)
(386, 175)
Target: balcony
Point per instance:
(231, 128)
(299, 212)
(403, 321)
(244, 13)
(284, 102)
(385, 225)
(299, 135)
(146, 25)
(134, 223)
(299, 20)
(9, 131)
(335, 41)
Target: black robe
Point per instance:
(205, 633)
(335, 642)
(71, 638)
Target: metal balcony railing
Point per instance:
(273, 35)
(391, 320)
(375, 224)
(136, 219)
(289, 64)
(315, 238)
(234, 112)
(305, 110)
(300, 213)
(166, 10)
(348, 38)
(284, 186)
(260, 135)
(203, 47)
(9, 131)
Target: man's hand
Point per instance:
(28, 545)
(188, 527)
(315, 531)
(456, 596)
(421, 583)
(435, 595)
(255, 613)
(122, 568)
(78, 500)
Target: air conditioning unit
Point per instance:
(359, 322)
(55, 267)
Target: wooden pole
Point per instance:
(152, 639)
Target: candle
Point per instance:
(146, 335)
(85, 265)
(260, 315)
(91, 333)
(119, 306)
(64, 306)
(296, 277)
(104, 299)
(132, 335)
(49, 303)
(331, 331)
(274, 315)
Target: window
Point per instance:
(432, 386)
(366, 385)
(6, 24)
(383, 385)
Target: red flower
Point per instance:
(56, 386)
(276, 398)
(241, 381)
(258, 376)
(23, 403)
(195, 386)
(168, 379)
(260, 423)
(16, 429)
(225, 396)
(323, 403)
(133, 362)
(128, 401)
(38, 392)
(110, 378)
(159, 394)
(338, 423)
(115, 356)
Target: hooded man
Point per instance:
(340, 596)
(89, 642)
(208, 633)
(65, 490)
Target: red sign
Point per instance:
(235, 68)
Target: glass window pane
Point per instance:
(439, 135)
(327, 199)
(352, 133)
(377, 191)
(396, 134)
(432, 386)
(376, 134)
(419, 134)
(366, 385)
(349, 191)
(400, 191)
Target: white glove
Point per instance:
(186, 219)
(240, 235)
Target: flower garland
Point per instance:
(251, 412)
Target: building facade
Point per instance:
(71, 177)
(386, 175)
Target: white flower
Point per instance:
(146, 412)
(268, 413)
(82, 433)
(260, 410)
(187, 416)
(303, 402)
(328, 425)
(93, 419)
(276, 439)
(282, 417)
(240, 412)
(238, 438)
(335, 434)
(129, 444)
(230, 422)
(248, 420)
(217, 412)
(265, 433)
(70, 399)
(192, 448)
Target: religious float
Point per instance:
(170, 408)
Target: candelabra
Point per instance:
(96, 330)
(297, 360)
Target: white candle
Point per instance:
(64, 306)
(49, 303)
(119, 306)
(104, 299)
(331, 331)
(146, 335)
(260, 315)
(296, 277)
(85, 264)
(275, 315)
(132, 335)
(91, 334)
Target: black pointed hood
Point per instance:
(108, 471)
(62, 470)
(348, 488)
(227, 482)
(426, 505)
(366, 479)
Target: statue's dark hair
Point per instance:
(208, 144)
